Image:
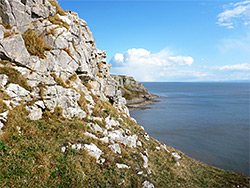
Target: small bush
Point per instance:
(35, 44)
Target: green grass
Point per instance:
(34, 158)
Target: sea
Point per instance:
(207, 121)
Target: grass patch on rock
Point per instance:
(35, 43)
(57, 21)
(15, 77)
(59, 10)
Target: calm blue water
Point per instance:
(207, 121)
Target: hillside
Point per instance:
(63, 120)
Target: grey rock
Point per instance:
(93, 150)
(105, 139)
(14, 49)
(117, 135)
(176, 155)
(91, 135)
(96, 128)
(65, 98)
(6, 12)
(3, 80)
(35, 112)
(147, 184)
(1, 126)
(115, 148)
(122, 165)
(2, 31)
(145, 159)
(17, 94)
(3, 116)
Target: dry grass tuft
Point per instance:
(88, 86)
(68, 51)
(59, 10)
(6, 26)
(58, 80)
(15, 77)
(3, 106)
(73, 77)
(83, 103)
(57, 21)
(35, 44)
(10, 33)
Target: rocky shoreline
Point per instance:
(136, 95)
(142, 104)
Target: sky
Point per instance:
(171, 40)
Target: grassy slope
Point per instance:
(34, 157)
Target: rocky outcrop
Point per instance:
(134, 92)
(72, 53)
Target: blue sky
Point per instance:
(171, 40)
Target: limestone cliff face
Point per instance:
(72, 52)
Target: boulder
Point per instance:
(147, 184)
(115, 148)
(122, 165)
(145, 159)
(17, 94)
(176, 155)
(3, 80)
(58, 96)
(13, 48)
(35, 112)
(93, 150)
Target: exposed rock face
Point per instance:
(134, 92)
(72, 52)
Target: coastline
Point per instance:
(142, 103)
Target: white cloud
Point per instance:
(236, 67)
(147, 66)
(234, 13)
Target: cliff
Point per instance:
(134, 92)
(63, 120)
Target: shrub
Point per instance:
(35, 44)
